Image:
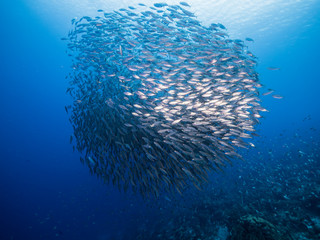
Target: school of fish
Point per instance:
(159, 100)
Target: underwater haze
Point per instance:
(188, 120)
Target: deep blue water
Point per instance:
(46, 193)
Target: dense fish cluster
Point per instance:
(159, 99)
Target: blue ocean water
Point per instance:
(46, 193)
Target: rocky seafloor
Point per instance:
(274, 194)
